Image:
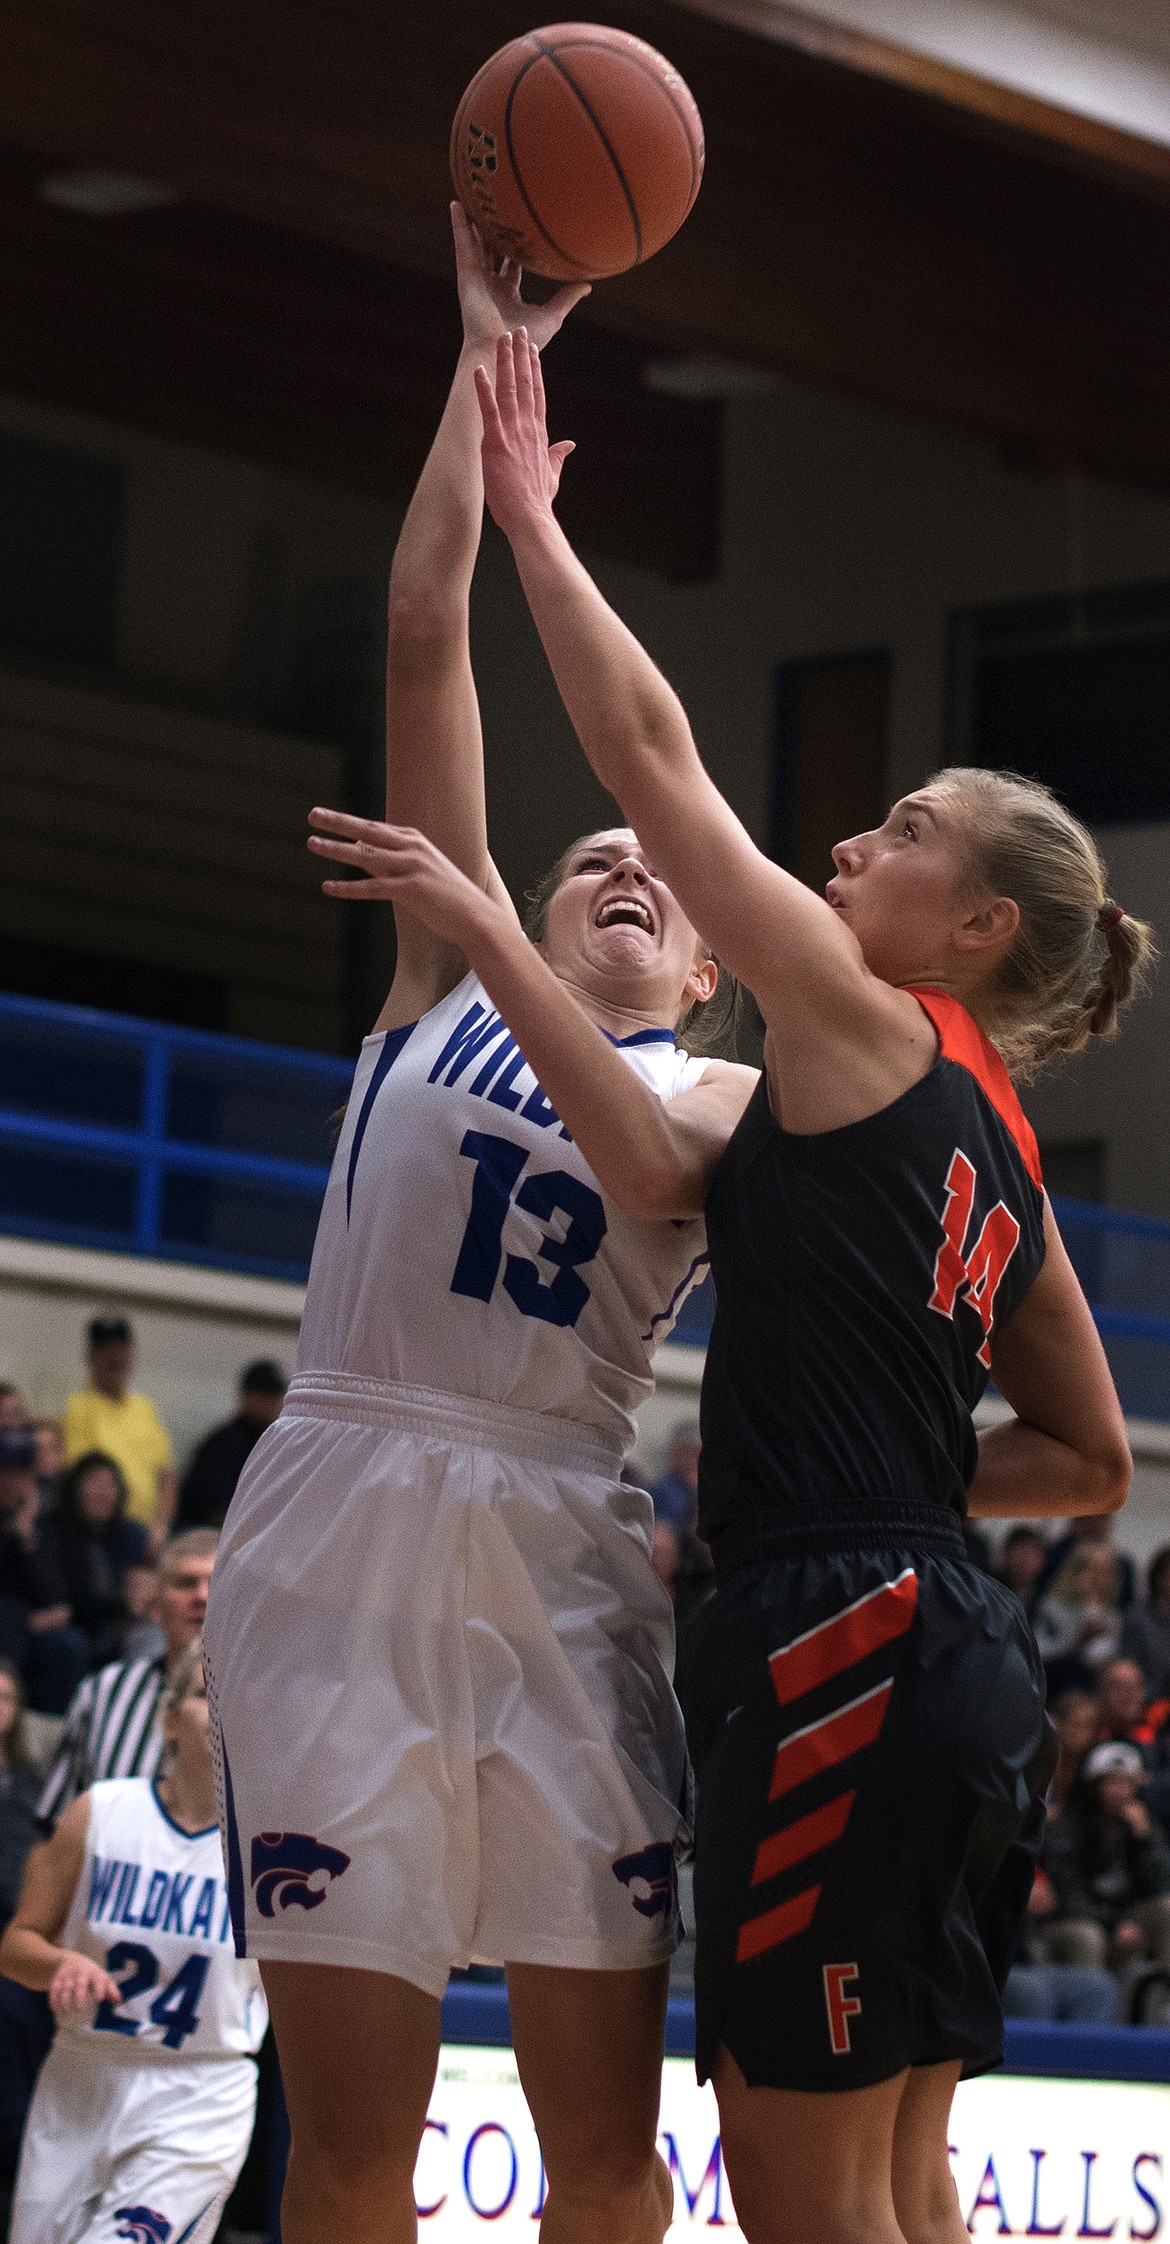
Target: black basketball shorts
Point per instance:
(871, 1752)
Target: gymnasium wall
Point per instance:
(160, 806)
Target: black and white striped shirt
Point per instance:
(112, 1729)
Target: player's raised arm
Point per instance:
(434, 749)
(653, 1157)
(767, 927)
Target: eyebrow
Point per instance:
(920, 808)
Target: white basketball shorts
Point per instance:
(115, 2148)
(440, 1663)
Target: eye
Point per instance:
(591, 865)
(910, 826)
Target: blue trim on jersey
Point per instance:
(204, 1833)
(392, 1046)
(641, 1036)
(700, 1262)
(236, 1890)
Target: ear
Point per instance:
(992, 927)
(702, 981)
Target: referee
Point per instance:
(112, 1727)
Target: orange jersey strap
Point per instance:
(962, 1040)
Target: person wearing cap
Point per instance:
(1108, 1866)
(37, 1631)
(109, 1416)
(209, 1482)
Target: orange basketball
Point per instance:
(577, 150)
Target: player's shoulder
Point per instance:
(963, 1044)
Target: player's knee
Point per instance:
(620, 2182)
(348, 2170)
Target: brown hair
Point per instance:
(708, 1029)
(1076, 957)
(180, 1683)
(16, 1745)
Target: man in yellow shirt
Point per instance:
(125, 1426)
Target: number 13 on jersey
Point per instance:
(499, 1163)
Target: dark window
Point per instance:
(830, 757)
(1074, 1169)
(1072, 691)
(113, 985)
(61, 516)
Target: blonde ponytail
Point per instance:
(1077, 957)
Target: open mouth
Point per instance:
(626, 911)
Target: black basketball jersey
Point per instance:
(859, 1276)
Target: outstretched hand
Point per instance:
(489, 292)
(402, 867)
(521, 469)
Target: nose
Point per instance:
(631, 869)
(847, 855)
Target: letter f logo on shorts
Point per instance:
(840, 2006)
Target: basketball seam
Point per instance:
(552, 56)
(599, 46)
(540, 56)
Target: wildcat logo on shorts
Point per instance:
(141, 2225)
(290, 1869)
(651, 1878)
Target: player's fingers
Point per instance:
(566, 300)
(506, 379)
(366, 890)
(493, 428)
(522, 359)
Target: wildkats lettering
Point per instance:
(972, 1275)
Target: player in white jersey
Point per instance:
(143, 2111)
(440, 1657)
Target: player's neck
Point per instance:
(618, 1016)
(189, 1802)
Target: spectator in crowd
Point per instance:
(1109, 1868)
(108, 1416)
(1077, 1623)
(112, 1728)
(104, 1558)
(37, 1630)
(25, 2020)
(1074, 1718)
(1072, 1994)
(1021, 1562)
(691, 1576)
(1145, 1631)
(209, 1482)
(49, 1435)
(13, 1408)
(1093, 1528)
(1121, 1703)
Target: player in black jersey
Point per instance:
(867, 1707)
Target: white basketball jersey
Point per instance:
(465, 1245)
(151, 1907)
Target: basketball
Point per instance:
(577, 150)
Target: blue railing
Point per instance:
(131, 1136)
(128, 1135)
